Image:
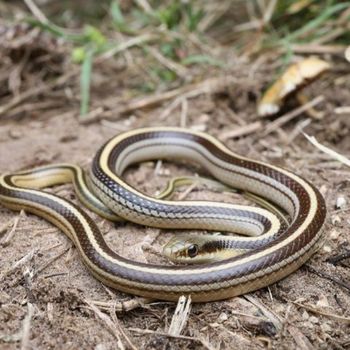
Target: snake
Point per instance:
(274, 250)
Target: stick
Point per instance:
(26, 327)
(180, 316)
(291, 115)
(142, 39)
(122, 306)
(6, 240)
(212, 85)
(111, 327)
(36, 11)
(328, 277)
(338, 258)
(167, 63)
(313, 309)
(148, 331)
(274, 318)
(120, 328)
(241, 131)
(327, 150)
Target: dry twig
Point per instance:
(142, 39)
(274, 318)
(339, 258)
(21, 262)
(121, 306)
(330, 152)
(167, 63)
(329, 277)
(6, 240)
(208, 86)
(26, 327)
(241, 131)
(205, 344)
(110, 325)
(120, 328)
(315, 310)
(303, 343)
(342, 110)
(291, 115)
(311, 48)
(180, 316)
(184, 112)
(36, 11)
(188, 190)
(3, 228)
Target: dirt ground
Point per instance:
(71, 309)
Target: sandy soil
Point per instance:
(72, 310)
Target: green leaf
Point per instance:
(117, 15)
(94, 35)
(119, 20)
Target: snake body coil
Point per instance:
(275, 254)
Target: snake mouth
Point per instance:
(175, 249)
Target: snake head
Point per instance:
(190, 250)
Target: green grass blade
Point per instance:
(315, 23)
(56, 31)
(85, 79)
(117, 15)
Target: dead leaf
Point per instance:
(292, 79)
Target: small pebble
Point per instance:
(340, 203)
(314, 319)
(334, 234)
(336, 220)
(326, 328)
(203, 118)
(309, 325)
(279, 309)
(322, 301)
(223, 317)
(327, 248)
(15, 134)
(129, 121)
(100, 346)
(305, 315)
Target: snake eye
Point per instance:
(192, 250)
